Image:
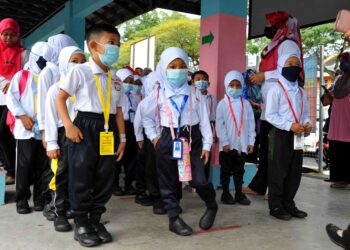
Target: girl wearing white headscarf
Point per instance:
(57, 143)
(51, 72)
(287, 109)
(235, 128)
(182, 115)
(128, 161)
(31, 157)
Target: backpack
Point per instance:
(10, 119)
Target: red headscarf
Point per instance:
(10, 56)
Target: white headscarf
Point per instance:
(149, 82)
(167, 56)
(39, 49)
(64, 58)
(233, 75)
(280, 64)
(58, 42)
(124, 73)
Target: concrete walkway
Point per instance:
(135, 227)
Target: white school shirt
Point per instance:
(226, 129)
(211, 103)
(80, 83)
(4, 80)
(199, 115)
(286, 47)
(47, 77)
(138, 127)
(278, 112)
(52, 120)
(131, 103)
(22, 105)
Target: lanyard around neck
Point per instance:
(290, 103)
(239, 131)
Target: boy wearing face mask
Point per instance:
(93, 142)
(31, 159)
(57, 143)
(200, 80)
(235, 128)
(287, 109)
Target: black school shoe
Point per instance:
(86, 236)
(143, 199)
(158, 207)
(22, 207)
(48, 213)
(295, 212)
(332, 233)
(118, 191)
(242, 199)
(180, 227)
(280, 213)
(38, 206)
(61, 224)
(129, 190)
(227, 198)
(102, 233)
(208, 218)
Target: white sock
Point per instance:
(340, 233)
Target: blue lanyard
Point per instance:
(179, 110)
(128, 96)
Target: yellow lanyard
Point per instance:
(106, 106)
(36, 96)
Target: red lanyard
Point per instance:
(239, 131)
(290, 103)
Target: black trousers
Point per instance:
(339, 166)
(129, 158)
(91, 175)
(146, 171)
(207, 166)
(170, 186)
(7, 143)
(285, 169)
(31, 163)
(59, 181)
(260, 180)
(232, 164)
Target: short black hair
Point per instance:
(200, 72)
(97, 29)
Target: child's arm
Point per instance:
(220, 127)
(51, 129)
(121, 128)
(205, 128)
(138, 128)
(72, 132)
(44, 82)
(251, 127)
(150, 116)
(306, 114)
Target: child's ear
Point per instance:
(92, 45)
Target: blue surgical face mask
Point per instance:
(136, 89)
(111, 54)
(177, 77)
(234, 93)
(202, 85)
(127, 87)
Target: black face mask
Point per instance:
(41, 62)
(270, 32)
(291, 73)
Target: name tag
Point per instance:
(106, 143)
(298, 141)
(131, 116)
(177, 149)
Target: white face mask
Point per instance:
(71, 65)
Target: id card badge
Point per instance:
(131, 116)
(298, 141)
(106, 143)
(177, 149)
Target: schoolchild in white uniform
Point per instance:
(235, 128)
(55, 138)
(93, 136)
(287, 110)
(129, 159)
(184, 119)
(200, 80)
(31, 160)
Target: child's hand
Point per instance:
(297, 128)
(250, 149)
(120, 151)
(257, 78)
(53, 154)
(205, 156)
(226, 148)
(308, 127)
(140, 143)
(74, 134)
(155, 141)
(43, 139)
(28, 122)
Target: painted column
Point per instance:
(74, 25)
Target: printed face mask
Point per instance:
(202, 85)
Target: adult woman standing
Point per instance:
(12, 59)
(284, 32)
